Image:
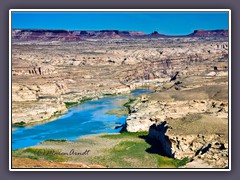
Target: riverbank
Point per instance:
(53, 115)
(90, 117)
(44, 115)
(125, 150)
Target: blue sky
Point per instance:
(171, 23)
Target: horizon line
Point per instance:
(53, 29)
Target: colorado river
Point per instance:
(84, 119)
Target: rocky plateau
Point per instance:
(186, 116)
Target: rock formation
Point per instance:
(211, 148)
(78, 35)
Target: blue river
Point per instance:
(84, 119)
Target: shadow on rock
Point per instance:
(159, 142)
(155, 146)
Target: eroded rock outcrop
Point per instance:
(210, 148)
(208, 33)
(34, 70)
(186, 118)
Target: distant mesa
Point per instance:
(156, 34)
(209, 33)
(76, 35)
